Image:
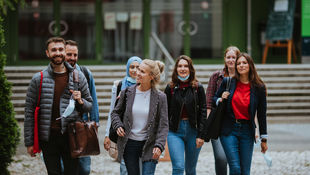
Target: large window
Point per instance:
(36, 25)
(206, 27)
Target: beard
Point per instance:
(71, 62)
(57, 62)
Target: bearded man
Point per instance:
(58, 91)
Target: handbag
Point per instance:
(36, 146)
(83, 136)
(112, 132)
(113, 151)
(83, 139)
(213, 123)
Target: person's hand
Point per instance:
(264, 147)
(120, 132)
(77, 96)
(30, 151)
(199, 142)
(225, 95)
(107, 143)
(156, 153)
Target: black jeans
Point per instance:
(55, 149)
(132, 153)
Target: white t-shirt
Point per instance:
(140, 114)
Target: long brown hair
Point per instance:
(254, 78)
(237, 52)
(192, 72)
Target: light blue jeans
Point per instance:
(180, 142)
(84, 168)
(219, 157)
(238, 146)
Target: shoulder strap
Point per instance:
(76, 79)
(85, 72)
(40, 89)
(119, 86)
(228, 82)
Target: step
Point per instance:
(288, 112)
(288, 86)
(291, 99)
(292, 92)
(281, 105)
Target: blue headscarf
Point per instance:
(127, 80)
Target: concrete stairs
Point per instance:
(288, 86)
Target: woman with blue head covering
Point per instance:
(129, 80)
(131, 72)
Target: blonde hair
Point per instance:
(156, 68)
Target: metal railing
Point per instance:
(168, 58)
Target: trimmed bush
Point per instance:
(9, 130)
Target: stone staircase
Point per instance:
(288, 86)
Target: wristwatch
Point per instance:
(264, 140)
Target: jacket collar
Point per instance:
(67, 65)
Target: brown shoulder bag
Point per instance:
(83, 136)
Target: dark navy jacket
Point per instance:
(257, 104)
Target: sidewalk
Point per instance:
(289, 147)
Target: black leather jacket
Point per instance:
(193, 99)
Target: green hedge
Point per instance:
(9, 130)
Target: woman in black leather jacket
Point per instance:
(186, 111)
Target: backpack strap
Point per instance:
(40, 89)
(85, 72)
(118, 90)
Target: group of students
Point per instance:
(149, 116)
(145, 118)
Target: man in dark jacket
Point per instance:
(58, 91)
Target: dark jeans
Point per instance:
(132, 153)
(219, 157)
(54, 150)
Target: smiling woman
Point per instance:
(142, 131)
(246, 99)
(186, 110)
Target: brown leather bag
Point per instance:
(83, 136)
(83, 139)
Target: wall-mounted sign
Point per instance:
(281, 5)
(121, 17)
(136, 21)
(109, 21)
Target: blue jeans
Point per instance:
(238, 146)
(180, 142)
(84, 165)
(219, 157)
(132, 153)
(122, 168)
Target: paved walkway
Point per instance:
(289, 147)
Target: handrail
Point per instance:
(162, 48)
(169, 61)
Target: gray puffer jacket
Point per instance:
(46, 103)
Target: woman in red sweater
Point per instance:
(245, 98)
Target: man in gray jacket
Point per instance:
(58, 91)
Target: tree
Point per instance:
(9, 130)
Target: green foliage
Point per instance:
(9, 130)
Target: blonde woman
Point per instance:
(144, 128)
